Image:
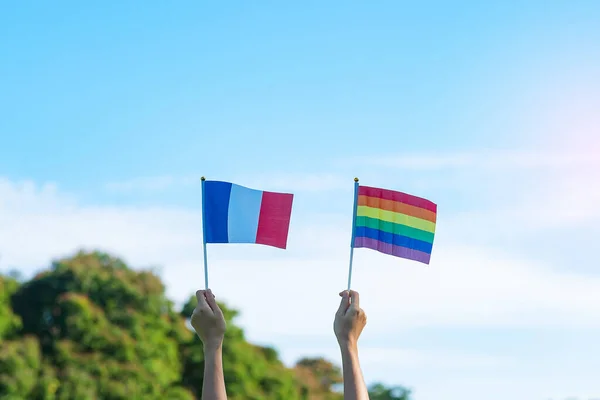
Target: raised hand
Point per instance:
(350, 319)
(208, 320)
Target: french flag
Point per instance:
(236, 214)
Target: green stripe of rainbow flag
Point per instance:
(396, 229)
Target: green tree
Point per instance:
(321, 377)
(378, 391)
(10, 323)
(108, 331)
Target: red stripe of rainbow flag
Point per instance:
(395, 223)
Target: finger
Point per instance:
(344, 303)
(354, 299)
(202, 304)
(215, 307)
(210, 299)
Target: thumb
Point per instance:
(344, 303)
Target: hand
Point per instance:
(208, 320)
(350, 319)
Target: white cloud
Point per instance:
(438, 359)
(26, 196)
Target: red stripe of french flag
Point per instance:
(274, 219)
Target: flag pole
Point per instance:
(353, 231)
(203, 179)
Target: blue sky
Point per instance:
(111, 113)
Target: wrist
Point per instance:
(348, 345)
(213, 346)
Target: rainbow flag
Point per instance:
(394, 223)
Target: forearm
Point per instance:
(213, 387)
(354, 383)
